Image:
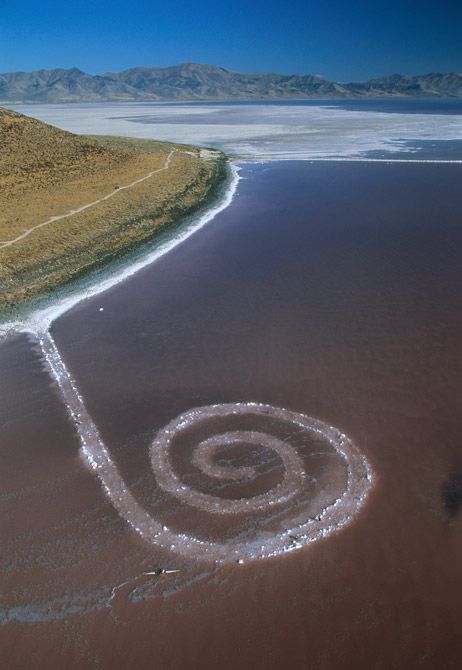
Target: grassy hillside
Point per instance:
(46, 172)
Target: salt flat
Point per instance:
(263, 131)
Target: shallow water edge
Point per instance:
(38, 315)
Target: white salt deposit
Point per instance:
(257, 131)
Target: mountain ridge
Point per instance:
(195, 81)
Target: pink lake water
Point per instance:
(331, 290)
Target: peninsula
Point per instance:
(70, 203)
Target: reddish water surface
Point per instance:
(329, 289)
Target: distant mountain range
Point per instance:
(192, 81)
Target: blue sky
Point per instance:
(341, 40)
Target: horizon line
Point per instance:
(219, 67)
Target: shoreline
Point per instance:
(38, 315)
(351, 159)
(73, 203)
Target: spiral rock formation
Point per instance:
(302, 529)
(325, 502)
(334, 505)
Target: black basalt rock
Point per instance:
(451, 492)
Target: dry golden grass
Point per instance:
(47, 172)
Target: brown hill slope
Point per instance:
(69, 203)
(36, 157)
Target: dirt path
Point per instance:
(8, 243)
